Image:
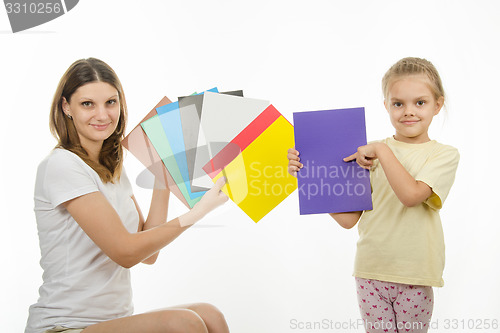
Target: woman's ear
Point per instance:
(65, 106)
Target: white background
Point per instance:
(301, 55)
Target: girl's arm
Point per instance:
(294, 164)
(346, 220)
(409, 191)
(104, 227)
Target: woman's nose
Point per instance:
(101, 112)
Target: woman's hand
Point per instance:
(210, 200)
(365, 155)
(213, 198)
(294, 164)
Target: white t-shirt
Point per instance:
(81, 284)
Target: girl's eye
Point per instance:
(420, 103)
(398, 104)
(112, 101)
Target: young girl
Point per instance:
(90, 227)
(400, 252)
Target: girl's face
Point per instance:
(95, 110)
(411, 106)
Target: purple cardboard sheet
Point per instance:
(326, 183)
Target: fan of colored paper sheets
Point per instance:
(190, 143)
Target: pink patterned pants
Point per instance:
(394, 307)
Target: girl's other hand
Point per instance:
(364, 156)
(294, 164)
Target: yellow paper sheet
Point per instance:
(257, 180)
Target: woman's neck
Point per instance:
(93, 150)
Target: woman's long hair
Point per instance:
(81, 72)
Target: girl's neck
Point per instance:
(415, 140)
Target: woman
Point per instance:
(90, 227)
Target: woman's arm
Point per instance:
(157, 213)
(408, 190)
(105, 228)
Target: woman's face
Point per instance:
(95, 109)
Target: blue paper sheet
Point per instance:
(170, 119)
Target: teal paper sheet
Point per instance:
(156, 134)
(170, 119)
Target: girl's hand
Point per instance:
(364, 156)
(294, 164)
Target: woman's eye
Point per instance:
(87, 103)
(112, 101)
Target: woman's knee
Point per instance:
(185, 320)
(160, 321)
(209, 313)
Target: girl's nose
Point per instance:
(409, 111)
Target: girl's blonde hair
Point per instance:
(412, 66)
(81, 72)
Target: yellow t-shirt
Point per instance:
(405, 244)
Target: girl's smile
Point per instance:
(412, 106)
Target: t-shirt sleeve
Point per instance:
(67, 177)
(439, 173)
(127, 187)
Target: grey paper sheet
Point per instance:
(190, 108)
(222, 118)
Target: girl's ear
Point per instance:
(439, 105)
(385, 105)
